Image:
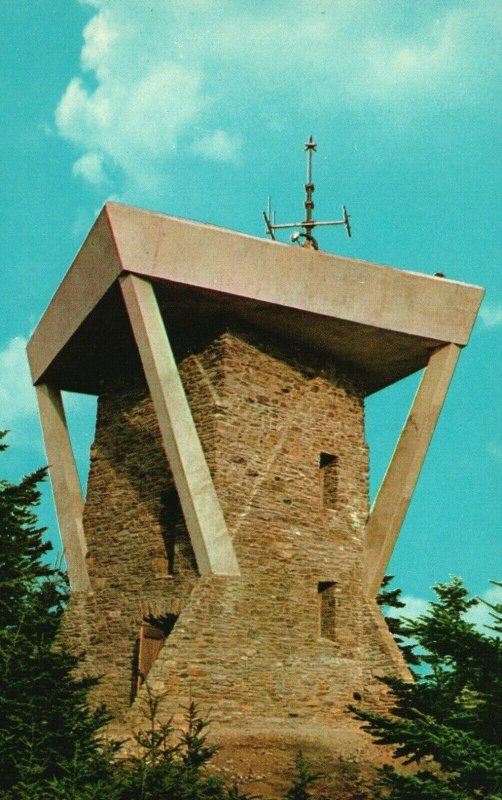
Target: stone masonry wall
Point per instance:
(247, 647)
(130, 523)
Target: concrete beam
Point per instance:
(210, 539)
(394, 495)
(66, 488)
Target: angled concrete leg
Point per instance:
(394, 495)
(210, 539)
(65, 482)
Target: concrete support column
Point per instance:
(206, 525)
(66, 488)
(394, 495)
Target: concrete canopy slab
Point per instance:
(380, 321)
(94, 269)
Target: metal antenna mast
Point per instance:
(308, 223)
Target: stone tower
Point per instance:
(225, 551)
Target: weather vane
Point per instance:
(308, 223)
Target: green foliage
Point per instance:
(51, 748)
(448, 720)
(195, 753)
(303, 780)
(162, 769)
(388, 599)
(495, 612)
(47, 733)
(51, 744)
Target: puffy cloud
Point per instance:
(495, 450)
(491, 316)
(19, 410)
(168, 78)
(100, 34)
(17, 395)
(218, 146)
(413, 607)
(129, 127)
(478, 615)
(90, 167)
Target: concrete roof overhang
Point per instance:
(379, 321)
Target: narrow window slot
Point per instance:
(327, 609)
(171, 519)
(328, 465)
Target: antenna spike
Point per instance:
(308, 224)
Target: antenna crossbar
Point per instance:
(309, 223)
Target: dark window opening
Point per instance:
(327, 608)
(328, 465)
(152, 634)
(171, 519)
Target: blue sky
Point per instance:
(201, 109)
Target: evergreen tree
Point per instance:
(48, 736)
(389, 599)
(50, 745)
(303, 780)
(166, 768)
(448, 720)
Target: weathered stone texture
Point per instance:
(250, 647)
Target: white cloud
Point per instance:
(17, 395)
(414, 606)
(90, 167)
(130, 126)
(19, 408)
(218, 146)
(479, 614)
(169, 78)
(495, 450)
(491, 316)
(100, 34)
